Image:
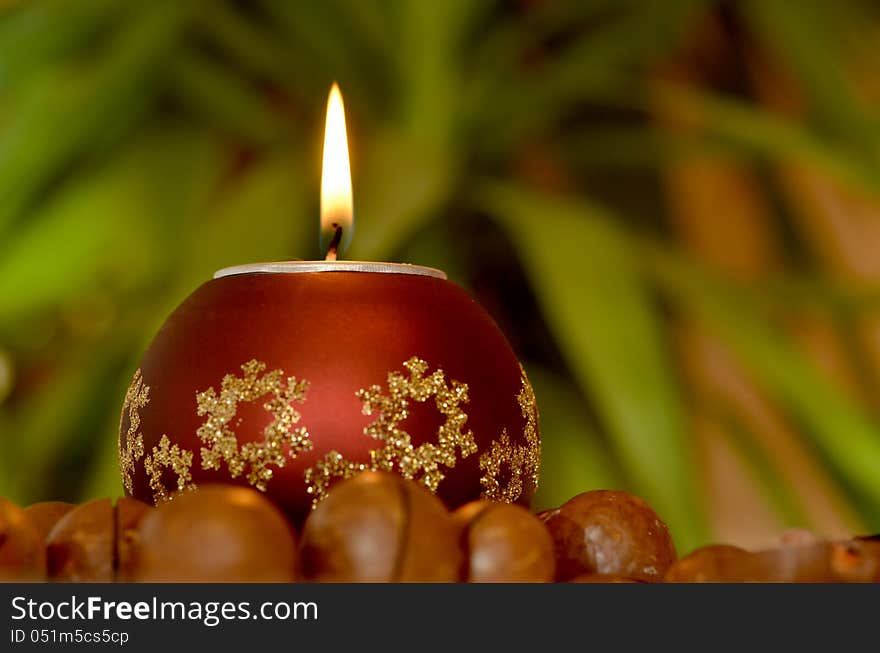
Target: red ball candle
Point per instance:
(290, 376)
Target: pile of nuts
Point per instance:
(378, 527)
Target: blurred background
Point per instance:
(671, 208)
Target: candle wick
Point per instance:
(333, 248)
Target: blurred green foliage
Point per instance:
(145, 144)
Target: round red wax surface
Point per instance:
(288, 382)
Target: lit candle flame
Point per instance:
(337, 215)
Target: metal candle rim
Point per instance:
(293, 267)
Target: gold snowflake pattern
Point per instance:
(257, 457)
(506, 466)
(331, 468)
(163, 456)
(136, 397)
(423, 463)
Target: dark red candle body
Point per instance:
(289, 381)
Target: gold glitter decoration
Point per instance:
(164, 456)
(136, 397)
(506, 465)
(423, 463)
(331, 468)
(257, 457)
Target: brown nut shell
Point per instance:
(22, 551)
(855, 561)
(818, 562)
(717, 563)
(377, 527)
(505, 543)
(544, 515)
(80, 546)
(216, 534)
(599, 578)
(129, 513)
(46, 514)
(89, 544)
(846, 561)
(612, 533)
